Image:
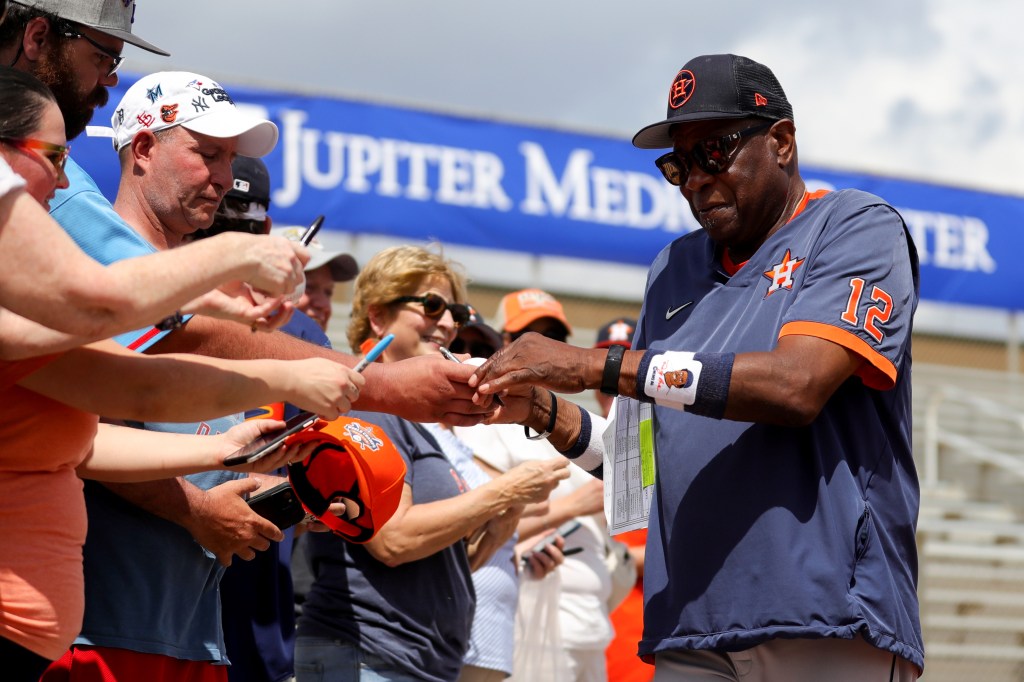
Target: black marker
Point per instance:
(311, 231)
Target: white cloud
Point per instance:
(926, 89)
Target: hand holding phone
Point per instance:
(563, 531)
(279, 505)
(269, 442)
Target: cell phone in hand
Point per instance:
(563, 531)
(271, 441)
(279, 505)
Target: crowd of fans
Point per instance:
(147, 337)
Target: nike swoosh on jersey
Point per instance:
(671, 312)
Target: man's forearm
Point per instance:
(171, 499)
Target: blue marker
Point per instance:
(374, 352)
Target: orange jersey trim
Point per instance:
(808, 196)
(728, 265)
(877, 372)
(732, 268)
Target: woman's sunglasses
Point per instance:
(434, 307)
(54, 153)
(712, 155)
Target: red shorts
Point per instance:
(105, 664)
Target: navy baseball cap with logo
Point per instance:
(112, 17)
(717, 86)
(251, 181)
(618, 332)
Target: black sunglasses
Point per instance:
(712, 155)
(435, 305)
(69, 31)
(477, 349)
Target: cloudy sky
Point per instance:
(923, 89)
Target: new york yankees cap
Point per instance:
(355, 461)
(170, 98)
(717, 86)
(112, 17)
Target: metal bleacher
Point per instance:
(969, 447)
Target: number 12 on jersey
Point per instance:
(876, 315)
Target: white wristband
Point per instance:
(672, 379)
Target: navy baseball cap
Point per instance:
(717, 86)
(251, 181)
(618, 332)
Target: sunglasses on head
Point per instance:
(56, 154)
(435, 305)
(712, 155)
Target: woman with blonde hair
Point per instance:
(401, 606)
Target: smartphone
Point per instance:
(563, 531)
(279, 505)
(268, 442)
(311, 231)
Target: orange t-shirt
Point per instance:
(621, 660)
(42, 514)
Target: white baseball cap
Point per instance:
(168, 98)
(343, 265)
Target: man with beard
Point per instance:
(74, 46)
(76, 56)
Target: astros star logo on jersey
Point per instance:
(781, 274)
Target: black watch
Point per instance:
(612, 367)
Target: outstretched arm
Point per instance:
(87, 299)
(787, 385)
(421, 389)
(106, 379)
(115, 455)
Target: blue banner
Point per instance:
(387, 170)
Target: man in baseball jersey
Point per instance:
(782, 526)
